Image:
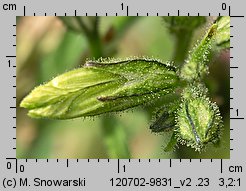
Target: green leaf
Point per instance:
(182, 28)
(222, 36)
(196, 66)
(198, 119)
(216, 39)
(102, 86)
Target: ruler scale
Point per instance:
(122, 174)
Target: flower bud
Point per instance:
(100, 87)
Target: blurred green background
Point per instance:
(46, 48)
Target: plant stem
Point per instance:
(183, 39)
(95, 45)
(95, 41)
(93, 38)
